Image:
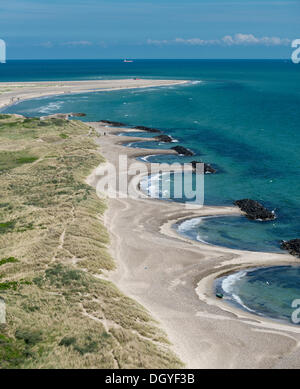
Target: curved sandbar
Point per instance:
(173, 276)
(14, 92)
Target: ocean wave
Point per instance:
(146, 157)
(189, 224)
(150, 184)
(229, 281)
(228, 286)
(240, 302)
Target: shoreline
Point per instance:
(174, 277)
(23, 91)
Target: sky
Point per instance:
(108, 29)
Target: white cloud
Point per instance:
(77, 43)
(47, 44)
(227, 40)
(250, 39)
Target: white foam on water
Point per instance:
(150, 184)
(240, 301)
(51, 107)
(229, 281)
(189, 224)
(196, 82)
(145, 159)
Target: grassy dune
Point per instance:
(53, 249)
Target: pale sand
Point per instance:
(13, 92)
(173, 278)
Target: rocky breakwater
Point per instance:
(183, 151)
(112, 124)
(254, 210)
(208, 169)
(164, 138)
(292, 246)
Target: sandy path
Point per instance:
(172, 277)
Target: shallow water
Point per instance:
(267, 291)
(235, 232)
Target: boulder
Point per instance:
(112, 124)
(183, 151)
(254, 210)
(78, 114)
(208, 169)
(146, 129)
(164, 138)
(292, 246)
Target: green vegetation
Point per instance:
(4, 116)
(8, 285)
(60, 313)
(12, 159)
(8, 260)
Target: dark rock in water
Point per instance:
(208, 169)
(254, 210)
(292, 246)
(78, 114)
(113, 124)
(147, 129)
(183, 151)
(163, 138)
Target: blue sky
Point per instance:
(42, 29)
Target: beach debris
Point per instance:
(164, 138)
(208, 169)
(183, 151)
(112, 124)
(254, 210)
(292, 246)
(219, 295)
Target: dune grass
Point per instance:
(53, 249)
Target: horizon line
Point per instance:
(149, 59)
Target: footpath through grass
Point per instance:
(53, 247)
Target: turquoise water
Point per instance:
(267, 291)
(243, 234)
(241, 116)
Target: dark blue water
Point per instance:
(241, 116)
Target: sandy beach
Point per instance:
(173, 277)
(168, 274)
(14, 92)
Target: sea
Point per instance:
(240, 116)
